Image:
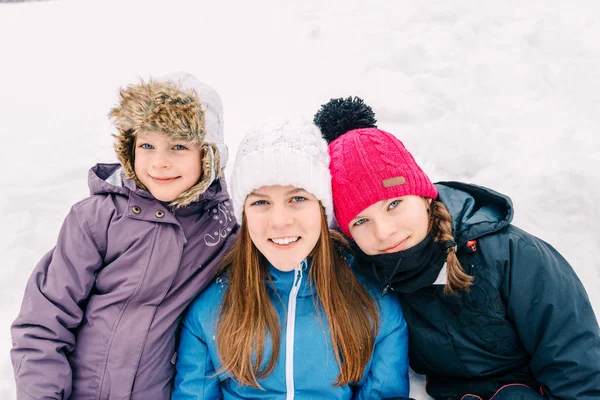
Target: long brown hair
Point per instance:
(440, 226)
(248, 315)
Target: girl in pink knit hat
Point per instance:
(493, 311)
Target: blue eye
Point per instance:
(179, 147)
(146, 146)
(259, 203)
(394, 204)
(298, 199)
(360, 222)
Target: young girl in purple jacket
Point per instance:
(101, 310)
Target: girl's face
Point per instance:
(284, 223)
(391, 225)
(165, 166)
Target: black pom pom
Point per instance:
(341, 115)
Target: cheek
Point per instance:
(194, 167)
(311, 220)
(419, 224)
(363, 240)
(255, 226)
(425, 223)
(251, 218)
(138, 158)
(315, 230)
(139, 163)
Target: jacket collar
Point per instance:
(283, 281)
(108, 178)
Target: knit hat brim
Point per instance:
(280, 166)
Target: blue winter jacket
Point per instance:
(307, 367)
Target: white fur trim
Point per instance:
(213, 109)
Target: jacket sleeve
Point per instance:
(43, 333)
(387, 374)
(555, 321)
(195, 378)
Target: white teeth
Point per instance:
(287, 240)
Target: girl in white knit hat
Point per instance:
(288, 318)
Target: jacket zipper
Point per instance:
(289, 334)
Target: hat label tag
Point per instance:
(395, 181)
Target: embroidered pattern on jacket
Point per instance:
(224, 214)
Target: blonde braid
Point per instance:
(440, 225)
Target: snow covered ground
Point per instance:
(503, 94)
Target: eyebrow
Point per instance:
(296, 191)
(170, 141)
(382, 204)
(264, 196)
(256, 194)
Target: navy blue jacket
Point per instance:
(526, 318)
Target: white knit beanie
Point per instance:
(282, 152)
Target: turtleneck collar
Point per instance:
(283, 281)
(404, 271)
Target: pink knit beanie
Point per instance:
(367, 164)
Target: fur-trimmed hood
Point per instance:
(182, 108)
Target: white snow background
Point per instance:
(502, 94)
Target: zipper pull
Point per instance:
(386, 289)
(298, 274)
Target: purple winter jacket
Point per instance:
(100, 314)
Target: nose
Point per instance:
(384, 229)
(280, 217)
(161, 160)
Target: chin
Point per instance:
(166, 199)
(286, 265)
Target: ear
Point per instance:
(428, 205)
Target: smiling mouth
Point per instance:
(164, 180)
(285, 241)
(396, 247)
